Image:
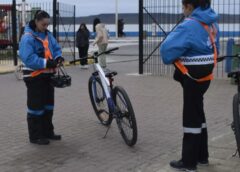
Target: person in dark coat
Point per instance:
(83, 44)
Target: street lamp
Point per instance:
(116, 18)
(23, 12)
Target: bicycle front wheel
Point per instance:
(99, 101)
(236, 120)
(126, 118)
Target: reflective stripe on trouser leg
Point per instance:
(192, 120)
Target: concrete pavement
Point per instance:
(157, 102)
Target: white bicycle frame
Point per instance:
(104, 80)
(106, 86)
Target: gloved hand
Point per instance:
(59, 60)
(51, 63)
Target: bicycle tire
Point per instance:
(126, 116)
(99, 101)
(236, 120)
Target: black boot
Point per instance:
(180, 166)
(48, 126)
(35, 130)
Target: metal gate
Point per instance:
(14, 16)
(159, 17)
(7, 43)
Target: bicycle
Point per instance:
(111, 102)
(236, 103)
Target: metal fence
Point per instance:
(158, 17)
(6, 54)
(14, 16)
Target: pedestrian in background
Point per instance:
(83, 44)
(102, 42)
(40, 53)
(193, 48)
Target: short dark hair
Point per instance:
(198, 3)
(40, 14)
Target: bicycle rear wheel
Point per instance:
(99, 101)
(236, 120)
(126, 120)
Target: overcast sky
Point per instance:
(90, 7)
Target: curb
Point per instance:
(7, 70)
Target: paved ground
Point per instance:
(157, 102)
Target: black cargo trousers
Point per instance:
(40, 104)
(195, 136)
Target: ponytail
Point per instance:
(198, 3)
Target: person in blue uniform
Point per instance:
(193, 47)
(40, 53)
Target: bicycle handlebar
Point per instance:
(219, 59)
(107, 52)
(95, 54)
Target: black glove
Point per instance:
(51, 63)
(59, 60)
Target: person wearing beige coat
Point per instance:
(102, 42)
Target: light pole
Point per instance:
(23, 12)
(116, 17)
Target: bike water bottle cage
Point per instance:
(212, 34)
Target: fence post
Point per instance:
(74, 34)
(140, 20)
(14, 33)
(54, 18)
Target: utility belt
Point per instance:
(196, 70)
(29, 73)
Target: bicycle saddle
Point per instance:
(110, 74)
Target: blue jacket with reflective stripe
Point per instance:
(31, 50)
(190, 38)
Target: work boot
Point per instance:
(180, 166)
(203, 162)
(42, 141)
(54, 137)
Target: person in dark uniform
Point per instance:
(82, 42)
(193, 47)
(40, 53)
